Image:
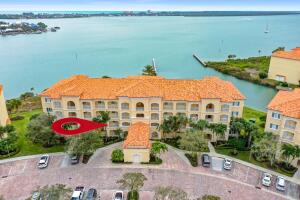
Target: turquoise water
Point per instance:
(121, 46)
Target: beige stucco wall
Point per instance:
(147, 110)
(143, 153)
(288, 68)
(3, 111)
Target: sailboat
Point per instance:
(267, 29)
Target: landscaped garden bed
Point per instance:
(193, 158)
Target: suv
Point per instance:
(91, 194)
(280, 183)
(78, 193)
(43, 163)
(266, 180)
(118, 195)
(205, 160)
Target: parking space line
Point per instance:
(10, 168)
(25, 164)
(246, 178)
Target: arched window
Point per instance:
(125, 115)
(154, 106)
(71, 105)
(209, 118)
(154, 116)
(125, 106)
(140, 106)
(210, 107)
(140, 115)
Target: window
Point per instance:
(58, 114)
(180, 106)
(154, 125)
(125, 106)
(87, 115)
(72, 114)
(125, 124)
(155, 106)
(224, 118)
(140, 115)
(234, 114)
(47, 100)
(290, 124)
(280, 78)
(276, 115)
(154, 116)
(71, 105)
(288, 136)
(49, 110)
(274, 126)
(57, 104)
(209, 118)
(86, 105)
(140, 106)
(112, 105)
(225, 108)
(168, 106)
(114, 115)
(114, 124)
(236, 103)
(125, 116)
(167, 115)
(195, 107)
(100, 105)
(210, 107)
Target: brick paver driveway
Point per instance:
(19, 178)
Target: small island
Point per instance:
(24, 28)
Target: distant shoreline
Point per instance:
(84, 14)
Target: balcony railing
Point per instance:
(290, 127)
(154, 108)
(71, 107)
(139, 109)
(225, 110)
(288, 137)
(194, 108)
(154, 118)
(87, 107)
(180, 108)
(210, 110)
(125, 107)
(100, 107)
(112, 107)
(168, 107)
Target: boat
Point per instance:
(267, 29)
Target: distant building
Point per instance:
(4, 119)
(283, 118)
(285, 66)
(137, 144)
(148, 99)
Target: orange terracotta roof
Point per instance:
(145, 86)
(287, 102)
(138, 136)
(293, 54)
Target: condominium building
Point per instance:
(4, 119)
(285, 66)
(147, 99)
(283, 117)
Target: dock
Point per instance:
(199, 60)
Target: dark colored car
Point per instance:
(75, 159)
(91, 194)
(205, 160)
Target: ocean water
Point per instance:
(121, 46)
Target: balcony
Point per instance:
(125, 106)
(154, 116)
(114, 124)
(140, 109)
(287, 136)
(194, 107)
(113, 107)
(155, 107)
(114, 115)
(71, 107)
(100, 107)
(181, 106)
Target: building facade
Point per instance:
(285, 66)
(143, 99)
(283, 117)
(4, 119)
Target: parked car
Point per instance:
(36, 196)
(91, 194)
(74, 159)
(44, 160)
(205, 160)
(118, 195)
(78, 193)
(227, 164)
(280, 183)
(267, 179)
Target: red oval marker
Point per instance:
(84, 126)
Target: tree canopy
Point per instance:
(149, 70)
(132, 181)
(193, 140)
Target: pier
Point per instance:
(199, 60)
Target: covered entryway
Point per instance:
(136, 158)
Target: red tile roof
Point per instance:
(287, 102)
(293, 54)
(138, 136)
(145, 86)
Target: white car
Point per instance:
(267, 179)
(118, 195)
(44, 160)
(227, 164)
(280, 183)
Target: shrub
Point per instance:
(117, 156)
(174, 142)
(284, 84)
(262, 75)
(16, 118)
(133, 195)
(193, 158)
(238, 143)
(210, 197)
(34, 116)
(234, 152)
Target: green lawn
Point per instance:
(249, 113)
(245, 156)
(26, 146)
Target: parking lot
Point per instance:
(252, 176)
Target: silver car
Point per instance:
(266, 180)
(280, 183)
(227, 164)
(43, 162)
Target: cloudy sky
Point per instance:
(15, 5)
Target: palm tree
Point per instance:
(149, 70)
(289, 153)
(199, 125)
(173, 124)
(104, 118)
(158, 148)
(119, 132)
